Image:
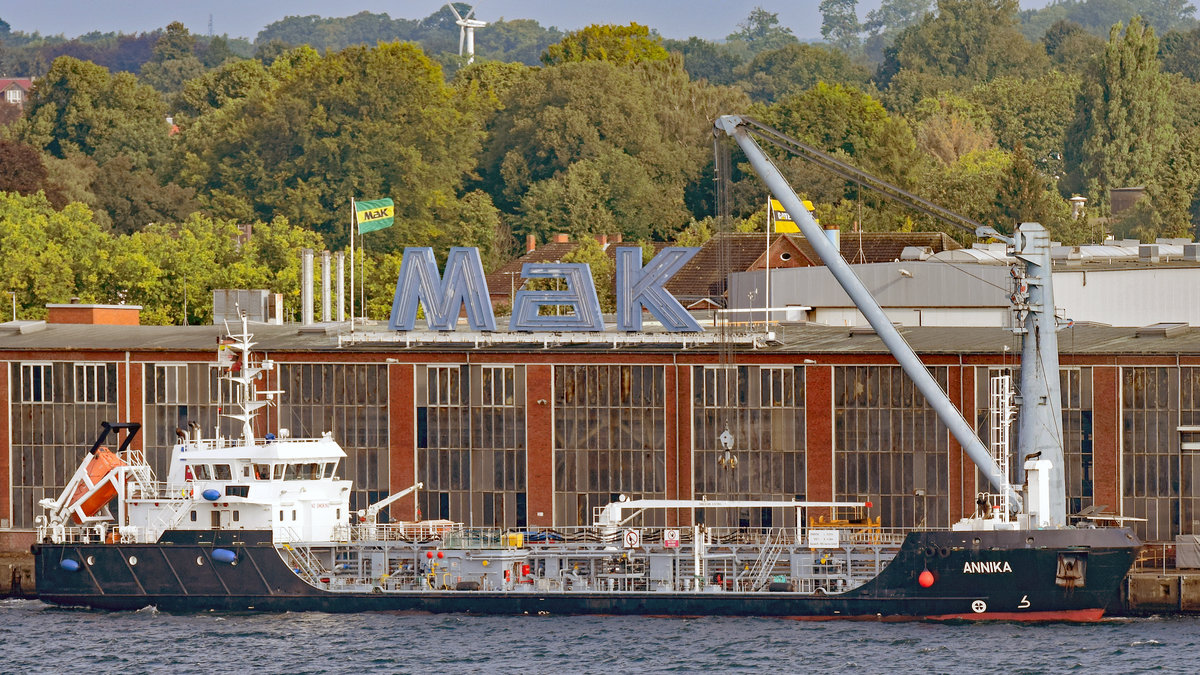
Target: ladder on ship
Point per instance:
(763, 569)
(300, 559)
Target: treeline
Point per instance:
(610, 132)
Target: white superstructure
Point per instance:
(289, 486)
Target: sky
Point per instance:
(709, 19)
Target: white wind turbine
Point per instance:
(466, 30)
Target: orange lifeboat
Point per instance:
(102, 463)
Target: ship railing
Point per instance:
(1156, 556)
(456, 535)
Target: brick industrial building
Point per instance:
(537, 434)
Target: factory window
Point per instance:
(609, 438)
(890, 447)
(91, 383)
(471, 444)
(47, 428)
(350, 401)
(763, 409)
(168, 379)
(36, 383)
(1150, 451)
(1189, 458)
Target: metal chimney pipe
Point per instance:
(306, 286)
(340, 257)
(326, 301)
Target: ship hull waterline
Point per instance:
(977, 576)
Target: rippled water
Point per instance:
(35, 637)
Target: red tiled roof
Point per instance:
(23, 82)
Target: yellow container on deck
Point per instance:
(514, 539)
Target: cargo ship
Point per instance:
(263, 523)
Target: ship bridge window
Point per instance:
(262, 472)
(305, 471)
(222, 472)
(278, 472)
(330, 467)
(201, 471)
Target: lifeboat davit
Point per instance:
(102, 463)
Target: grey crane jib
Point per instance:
(1040, 425)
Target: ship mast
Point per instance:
(247, 397)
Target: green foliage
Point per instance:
(604, 270)
(1124, 126)
(950, 127)
(126, 199)
(705, 60)
(363, 122)
(1032, 113)
(842, 119)
(967, 41)
(839, 24)
(622, 45)
(1071, 47)
(798, 67)
(761, 32)
(1180, 53)
(50, 256)
(1097, 16)
(79, 107)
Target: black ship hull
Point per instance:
(1040, 575)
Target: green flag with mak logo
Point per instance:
(374, 215)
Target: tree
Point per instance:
(365, 122)
(796, 68)
(230, 82)
(79, 107)
(840, 26)
(1032, 113)
(761, 32)
(174, 61)
(707, 60)
(1071, 47)
(842, 119)
(621, 45)
(966, 42)
(21, 168)
(49, 255)
(606, 194)
(1180, 53)
(126, 199)
(888, 21)
(1123, 133)
(951, 127)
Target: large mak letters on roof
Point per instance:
(464, 285)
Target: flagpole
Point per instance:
(767, 295)
(353, 227)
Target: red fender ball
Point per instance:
(926, 579)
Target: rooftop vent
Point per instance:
(1164, 330)
(1191, 252)
(1148, 253)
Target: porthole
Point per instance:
(199, 561)
(132, 560)
(91, 560)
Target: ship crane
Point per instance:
(1040, 426)
(371, 514)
